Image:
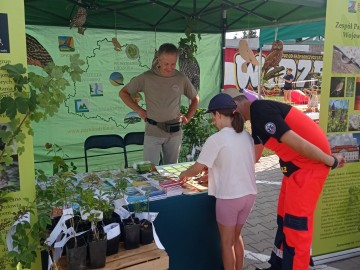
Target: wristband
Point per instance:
(336, 162)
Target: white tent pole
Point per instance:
(259, 71)
(223, 47)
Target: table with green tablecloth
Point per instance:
(186, 226)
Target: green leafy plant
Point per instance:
(57, 191)
(58, 159)
(196, 131)
(93, 201)
(35, 98)
(119, 188)
(27, 238)
(139, 207)
(188, 43)
(143, 206)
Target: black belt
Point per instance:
(152, 122)
(166, 126)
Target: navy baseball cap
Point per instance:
(221, 102)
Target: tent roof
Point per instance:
(284, 33)
(173, 15)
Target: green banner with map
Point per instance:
(337, 219)
(112, 58)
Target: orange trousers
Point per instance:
(298, 197)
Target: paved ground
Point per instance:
(259, 232)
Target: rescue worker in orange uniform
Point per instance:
(305, 160)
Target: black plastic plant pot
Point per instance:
(97, 253)
(122, 232)
(132, 236)
(76, 254)
(146, 232)
(113, 245)
(44, 259)
(115, 218)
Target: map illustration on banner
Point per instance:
(85, 105)
(92, 105)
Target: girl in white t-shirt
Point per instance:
(230, 158)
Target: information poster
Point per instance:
(337, 220)
(17, 178)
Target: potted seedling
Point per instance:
(112, 227)
(131, 232)
(130, 226)
(94, 202)
(146, 232)
(55, 196)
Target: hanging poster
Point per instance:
(17, 176)
(337, 219)
(305, 64)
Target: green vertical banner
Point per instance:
(337, 219)
(17, 179)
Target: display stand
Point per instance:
(147, 257)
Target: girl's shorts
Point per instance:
(230, 212)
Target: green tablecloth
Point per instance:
(186, 226)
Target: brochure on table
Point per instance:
(193, 186)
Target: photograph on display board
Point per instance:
(357, 95)
(354, 122)
(9, 177)
(346, 59)
(352, 6)
(345, 144)
(337, 87)
(66, 44)
(81, 105)
(4, 34)
(338, 115)
(350, 87)
(96, 89)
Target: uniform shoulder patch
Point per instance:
(270, 128)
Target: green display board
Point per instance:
(337, 219)
(93, 106)
(18, 178)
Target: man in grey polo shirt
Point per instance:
(163, 87)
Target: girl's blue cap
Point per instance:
(221, 102)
